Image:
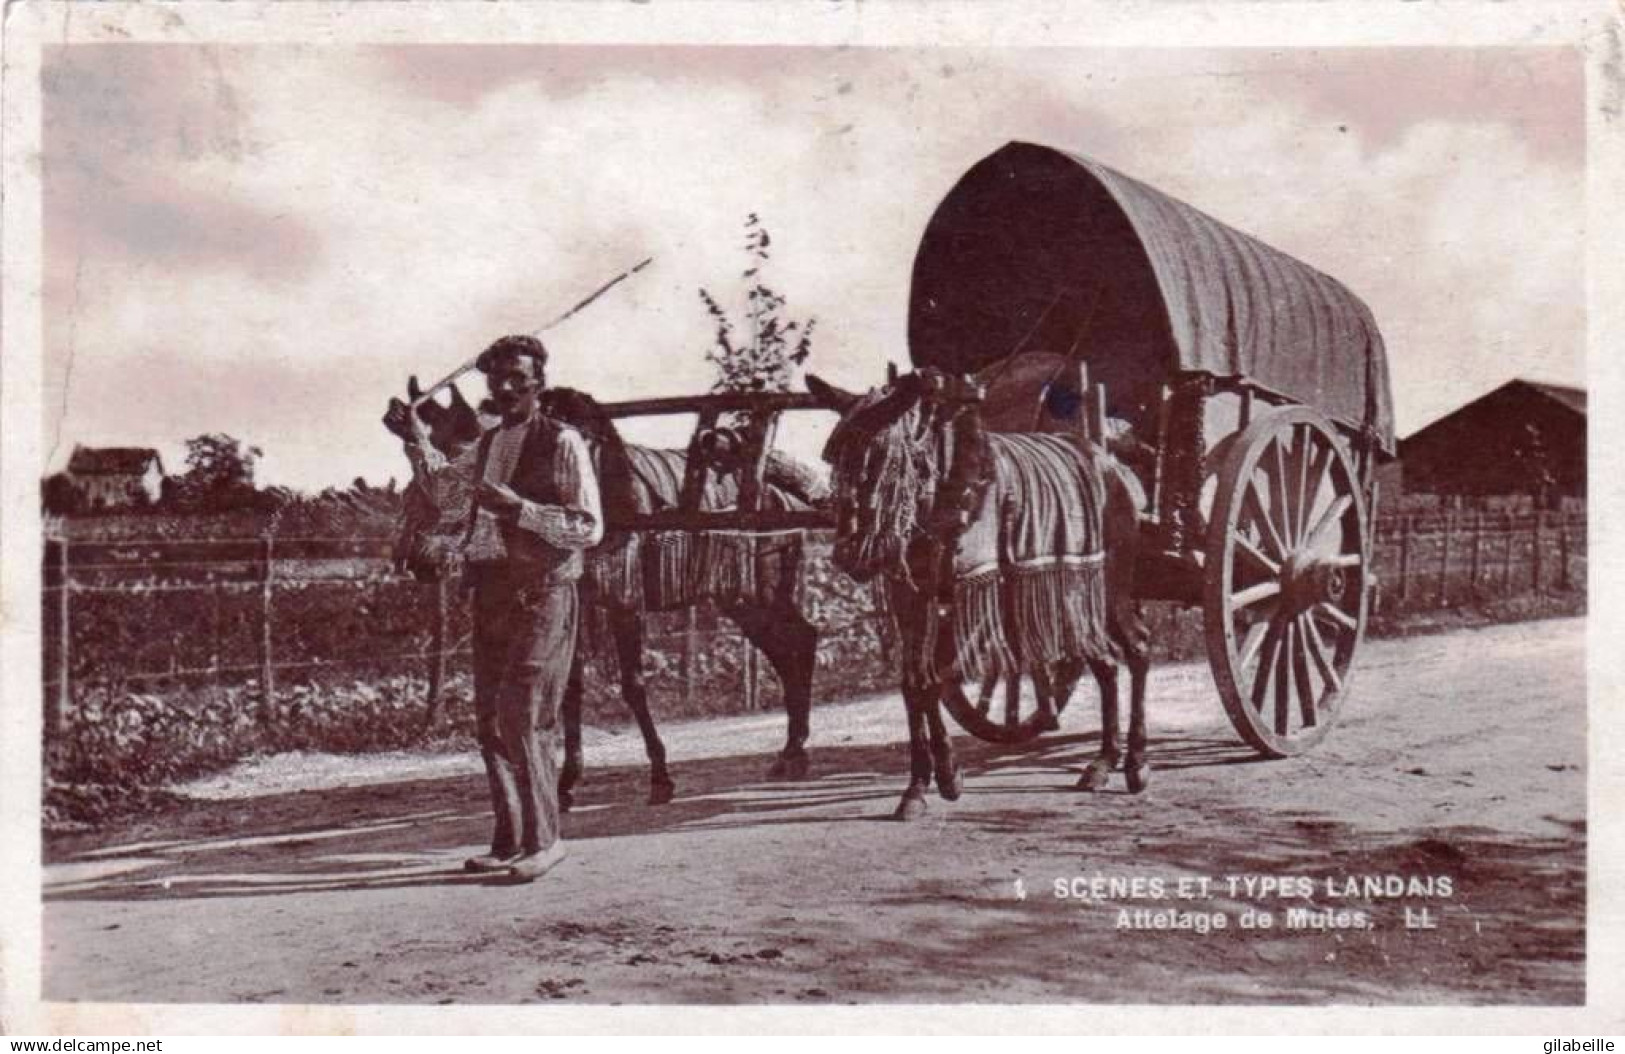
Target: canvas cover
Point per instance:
(1037, 250)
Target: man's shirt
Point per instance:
(576, 522)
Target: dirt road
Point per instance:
(1456, 773)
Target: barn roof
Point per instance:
(112, 460)
(1036, 249)
(1573, 398)
(1495, 400)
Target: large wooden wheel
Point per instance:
(1288, 580)
(1010, 709)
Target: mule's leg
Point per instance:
(626, 626)
(944, 764)
(570, 774)
(1048, 715)
(1099, 771)
(790, 643)
(912, 806)
(1135, 767)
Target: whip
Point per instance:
(444, 382)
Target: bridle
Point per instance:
(947, 417)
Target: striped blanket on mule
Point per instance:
(660, 571)
(1029, 571)
(653, 571)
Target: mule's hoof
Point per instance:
(1046, 721)
(1095, 777)
(794, 767)
(952, 785)
(912, 807)
(661, 792)
(1138, 777)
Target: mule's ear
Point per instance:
(829, 396)
(457, 400)
(413, 392)
(891, 372)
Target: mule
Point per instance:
(921, 486)
(751, 578)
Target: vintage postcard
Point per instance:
(524, 514)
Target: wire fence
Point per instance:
(272, 620)
(269, 619)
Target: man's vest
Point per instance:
(536, 477)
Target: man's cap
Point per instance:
(522, 345)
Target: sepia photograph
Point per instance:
(801, 507)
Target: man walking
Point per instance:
(536, 507)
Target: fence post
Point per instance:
(1444, 560)
(752, 660)
(63, 699)
(1478, 543)
(1534, 534)
(1404, 557)
(437, 643)
(750, 673)
(1563, 581)
(1512, 546)
(267, 667)
(690, 646)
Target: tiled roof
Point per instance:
(112, 461)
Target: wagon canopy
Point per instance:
(1036, 250)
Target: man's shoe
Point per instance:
(490, 862)
(534, 865)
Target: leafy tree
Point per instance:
(764, 354)
(219, 474)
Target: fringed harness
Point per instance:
(653, 571)
(662, 570)
(1013, 534)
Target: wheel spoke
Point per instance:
(1253, 594)
(1337, 615)
(1246, 545)
(1280, 509)
(1300, 667)
(1262, 518)
(1012, 698)
(1316, 478)
(1251, 643)
(984, 703)
(1283, 682)
(1317, 652)
(1324, 525)
(1266, 665)
(1304, 448)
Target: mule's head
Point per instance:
(450, 427)
(609, 453)
(887, 456)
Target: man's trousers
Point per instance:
(524, 641)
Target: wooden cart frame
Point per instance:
(1248, 391)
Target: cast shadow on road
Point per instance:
(416, 833)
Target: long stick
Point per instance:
(445, 382)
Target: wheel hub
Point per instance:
(1310, 582)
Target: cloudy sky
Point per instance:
(264, 241)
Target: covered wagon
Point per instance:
(1248, 391)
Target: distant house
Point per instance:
(115, 477)
(1522, 438)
